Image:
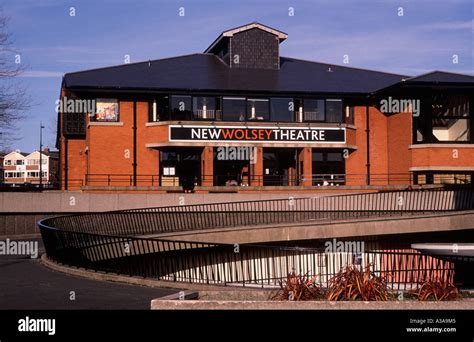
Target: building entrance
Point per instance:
(280, 167)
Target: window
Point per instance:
(14, 174)
(328, 167)
(313, 110)
(19, 162)
(257, 109)
(8, 162)
(234, 109)
(206, 108)
(282, 109)
(106, 110)
(443, 178)
(180, 107)
(350, 112)
(450, 118)
(158, 109)
(334, 111)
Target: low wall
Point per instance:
(20, 211)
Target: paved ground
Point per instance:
(26, 284)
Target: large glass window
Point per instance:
(206, 108)
(234, 108)
(450, 118)
(313, 110)
(158, 109)
(334, 111)
(180, 107)
(257, 109)
(328, 167)
(282, 109)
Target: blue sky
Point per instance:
(102, 32)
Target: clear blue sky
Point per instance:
(371, 33)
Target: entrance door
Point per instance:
(279, 167)
(180, 166)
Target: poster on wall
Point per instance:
(106, 110)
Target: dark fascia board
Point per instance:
(216, 92)
(417, 85)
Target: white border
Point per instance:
(258, 141)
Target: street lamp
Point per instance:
(41, 159)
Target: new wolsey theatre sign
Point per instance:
(257, 134)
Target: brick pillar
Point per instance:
(207, 166)
(256, 169)
(305, 157)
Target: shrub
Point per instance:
(298, 287)
(350, 283)
(436, 290)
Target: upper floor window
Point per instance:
(257, 109)
(234, 108)
(282, 109)
(206, 108)
(7, 162)
(444, 118)
(106, 110)
(180, 107)
(314, 110)
(158, 109)
(19, 162)
(350, 115)
(334, 111)
(450, 118)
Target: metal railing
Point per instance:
(328, 179)
(115, 241)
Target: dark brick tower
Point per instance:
(252, 46)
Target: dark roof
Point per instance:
(441, 77)
(206, 72)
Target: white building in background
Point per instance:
(20, 167)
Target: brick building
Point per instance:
(241, 116)
(22, 168)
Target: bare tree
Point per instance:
(13, 99)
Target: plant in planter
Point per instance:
(351, 283)
(298, 287)
(437, 289)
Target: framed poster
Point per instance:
(106, 110)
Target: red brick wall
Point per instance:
(399, 139)
(356, 162)
(76, 163)
(147, 158)
(443, 156)
(207, 166)
(378, 147)
(305, 155)
(111, 147)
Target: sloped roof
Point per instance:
(441, 77)
(206, 72)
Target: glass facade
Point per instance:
(444, 118)
(240, 109)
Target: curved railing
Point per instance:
(120, 241)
